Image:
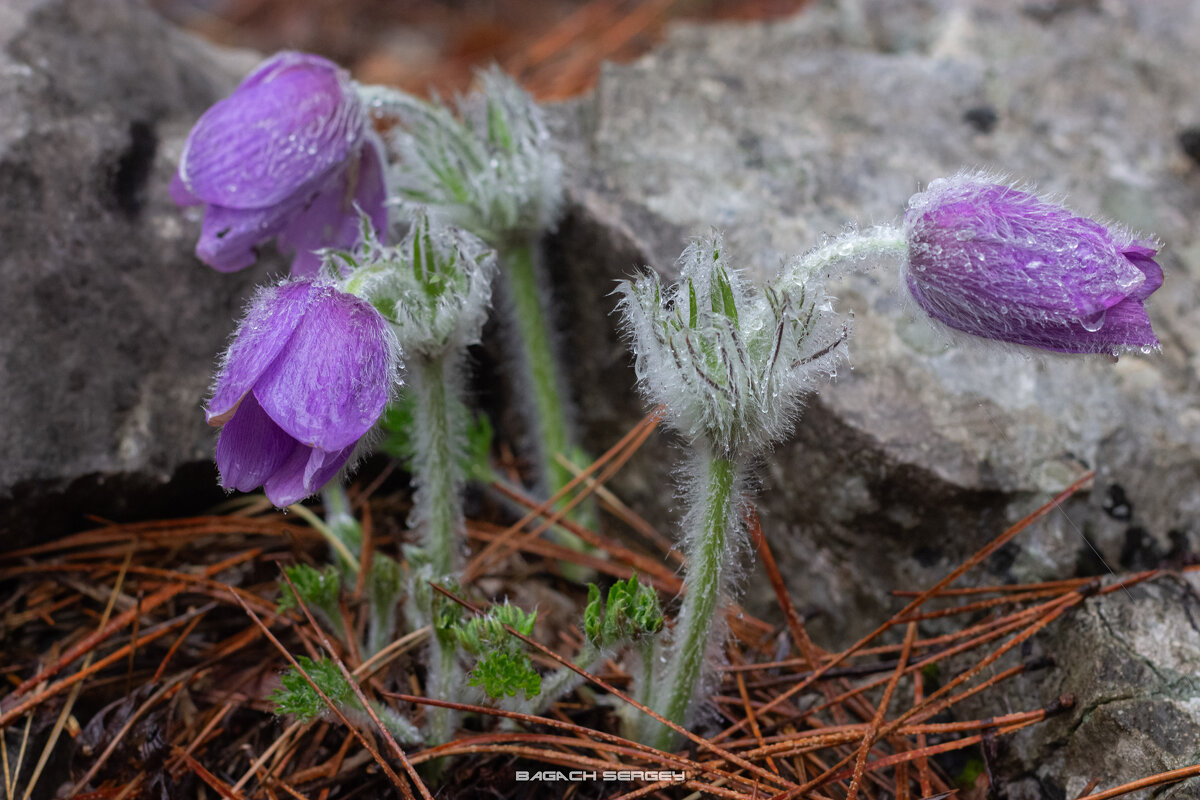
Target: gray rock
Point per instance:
(1132, 662)
(109, 326)
(929, 447)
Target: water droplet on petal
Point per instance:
(1094, 322)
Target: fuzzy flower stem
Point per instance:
(549, 422)
(538, 354)
(880, 241)
(713, 522)
(563, 681)
(444, 677)
(440, 421)
(399, 727)
(339, 518)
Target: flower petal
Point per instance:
(322, 466)
(1142, 257)
(286, 485)
(270, 322)
(331, 219)
(371, 192)
(1000, 263)
(181, 194)
(306, 471)
(229, 236)
(994, 244)
(1124, 326)
(288, 124)
(330, 383)
(251, 448)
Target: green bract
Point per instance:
(632, 611)
(434, 287)
(297, 696)
(484, 634)
(730, 363)
(506, 674)
(491, 169)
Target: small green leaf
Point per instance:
(315, 587)
(693, 311)
(501, 674)
(297, 696)
(483, 634)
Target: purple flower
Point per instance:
(308, 374)
(287, 155)
(1004, 264)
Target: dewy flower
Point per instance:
(1004, 264)
(308, 374)
(289, 155)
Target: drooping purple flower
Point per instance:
(1004, 264)
(307, 376)
(288, 155)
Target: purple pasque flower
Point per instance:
(307, 376)
(288, 155)
(1004, 264)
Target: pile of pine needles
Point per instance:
(139, 659)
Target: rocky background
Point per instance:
(778, 134)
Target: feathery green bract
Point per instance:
(731, 362)
(502, 668)
(482, 634)
(315, 587)
(631, 612)
(490, 169)
(297, 696)
(502, 674)
(434, 287)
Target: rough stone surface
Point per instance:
(779, 134)
(1132, 662)
(109, 326)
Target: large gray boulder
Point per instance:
(109, 326)
(781, 134)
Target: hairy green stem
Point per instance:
(880, 241)
(440, 426)
(403, 730)
(547, 424)
(445, 675)
(533, 328)
(711, 525)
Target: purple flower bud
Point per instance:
(288, 154)
(1004, 264)
(307, 376)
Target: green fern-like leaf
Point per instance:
(315, 587)
(297, 696)
(502, 673)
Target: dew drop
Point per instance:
(1093, 323)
